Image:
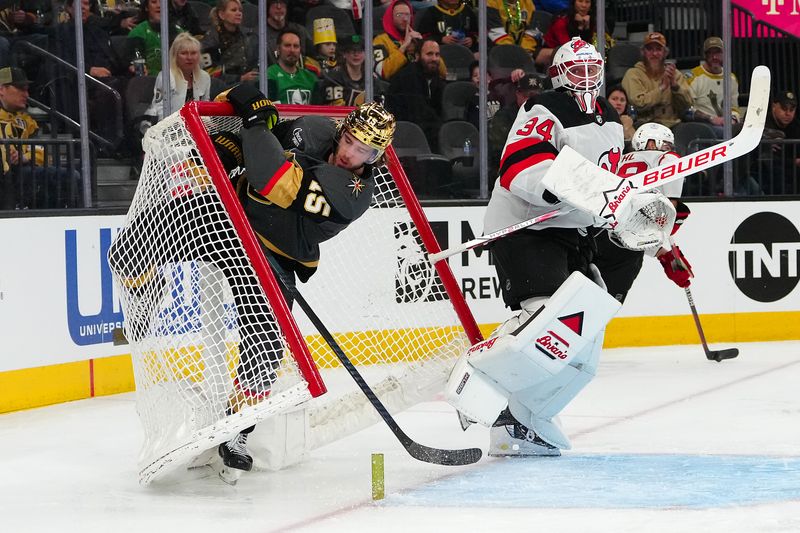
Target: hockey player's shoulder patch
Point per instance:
(311, 135)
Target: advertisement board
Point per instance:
(58, 303)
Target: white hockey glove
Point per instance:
(647, 224)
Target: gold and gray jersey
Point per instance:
(295, 200)
(544, 125)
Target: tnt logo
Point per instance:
(763, 257)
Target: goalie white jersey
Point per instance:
(544, 125)
(636, 162)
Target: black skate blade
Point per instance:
(720, 355)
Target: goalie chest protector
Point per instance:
(598, 136)
(544, 125)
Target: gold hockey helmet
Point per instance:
(371, 124)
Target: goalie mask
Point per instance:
(578, 68)
(371, 124)
(662, 137)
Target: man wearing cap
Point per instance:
(324, 60)
(706, 81)
(656, 88)
(782, 123)
(345, 84)
(26, 182)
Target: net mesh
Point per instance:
(199, 323)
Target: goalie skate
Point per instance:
(515, 440)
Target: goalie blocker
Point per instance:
(541, 366)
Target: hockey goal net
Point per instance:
(203, 310)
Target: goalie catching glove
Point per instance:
(676, 267)
(646, 224)
(251, 105)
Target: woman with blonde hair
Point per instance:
(187, 81)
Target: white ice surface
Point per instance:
(663, 440)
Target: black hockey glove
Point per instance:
(251, 104)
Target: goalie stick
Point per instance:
(417, 451)
(604, 203)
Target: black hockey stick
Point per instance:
(711, 355)
(416, 450)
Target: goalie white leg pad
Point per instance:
(538, 406)
(536, 352)
(474, 394)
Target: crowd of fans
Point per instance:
(315, 62)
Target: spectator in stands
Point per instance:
(345, 84)
(353, 8)
(578, 21)
(116, 21)
(231, 50)
(552, 6)
(618, 99)
(655, 87)
(510, 23)
(146, 35)
(24, 20)
(182, 14)
(28, 181)
(277, 21)
(450, 22)
(101, 61)
(187, 81)
(493, 104)
(396, 46)
(778, 175)
(415, 93)
(325, 60)
(298, 9)
(525, 87)
(706, 83)
(289, 82)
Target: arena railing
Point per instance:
(49, 180)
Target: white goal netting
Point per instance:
(199, 322)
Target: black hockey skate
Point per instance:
(509, 438)
(235, 458)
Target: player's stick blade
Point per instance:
(436, 456)
(721, 355)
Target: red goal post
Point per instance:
(400, 319)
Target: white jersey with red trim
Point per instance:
(636, 162)
(544, 125)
